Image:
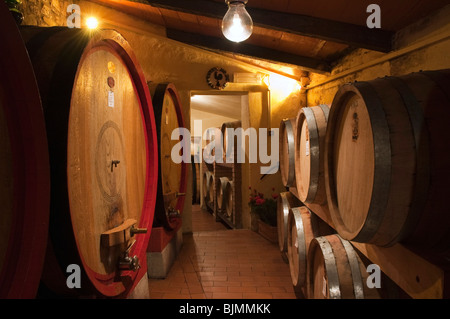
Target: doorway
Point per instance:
(210, 109)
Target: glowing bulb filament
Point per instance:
(237, 25)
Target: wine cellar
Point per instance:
(211, 149)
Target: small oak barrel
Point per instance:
(208, 187)
(311, 128)
(285, 202)
(221, 195)
(205, 178)
(335, 271)
(229, 199)
(24, 169)
(287, 152)
(211, 194)
(230, 154)
(172, 180)
(103, 157)
(386, 160)
(225, 196)
(210, 140)
(303, 227)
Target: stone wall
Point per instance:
(421, 46)
(46, 13)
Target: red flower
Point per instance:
(260, 201)
(274, 196)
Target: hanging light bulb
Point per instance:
(237, 25)
(92, 23)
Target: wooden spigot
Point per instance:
(121, 234)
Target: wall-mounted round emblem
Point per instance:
(217, 78)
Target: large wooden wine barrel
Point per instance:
(287, 152)
(386, 160)
(24, 169)
(103, 157)
(172, 181)
(285, 202)
(335, 271)
(303, 227)
(229, 151)
(311, 129)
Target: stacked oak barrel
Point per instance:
(376, 164)
(225, 185)
(224, 188)
(208, 188)
(208, 177)
(84, 163)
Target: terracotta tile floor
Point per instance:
(218, 263)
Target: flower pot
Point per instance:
(268, 232)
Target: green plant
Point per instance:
(264, 208)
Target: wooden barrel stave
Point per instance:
(172, 180)
(335, 271)
(311, 128)
(64, 61)
(287, 152)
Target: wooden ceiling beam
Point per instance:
(350, 34)
(253, 51)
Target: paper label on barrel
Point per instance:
(324, 287)
(110, 98)
(307, 148)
